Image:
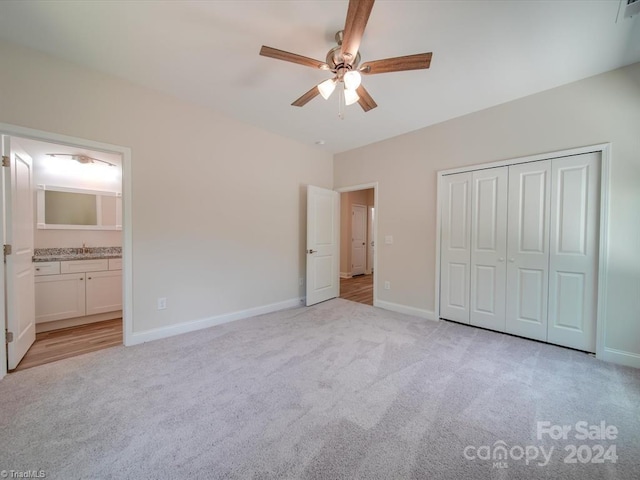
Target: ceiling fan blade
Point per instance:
(292, 57)
(397, 64)
(357, 18)
(304, 99)
(366, 102)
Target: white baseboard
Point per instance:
(171, 330)
(345, 275)
(396, 307)
(620, 357)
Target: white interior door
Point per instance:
(358, 239)
(573, 265)
(323, 244)
(455, 255)
(19, 224)
(489, 247)
(371, 215)
(528, 249)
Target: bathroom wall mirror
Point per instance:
(78, 209)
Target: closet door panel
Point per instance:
(488, 248)
(528, 249)
(455, 247)
(575, 201)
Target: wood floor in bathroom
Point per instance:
(70, 342)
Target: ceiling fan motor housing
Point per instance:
(337, 63)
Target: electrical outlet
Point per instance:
(388, 239)
(387, 285)
(162, 303)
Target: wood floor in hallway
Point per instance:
(70, 342)
(357, 289)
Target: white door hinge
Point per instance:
(7, 250)
(8, 336)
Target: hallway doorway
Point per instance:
(357, 243)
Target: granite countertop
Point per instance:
(66, 254)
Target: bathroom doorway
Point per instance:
(78, 269)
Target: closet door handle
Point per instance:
(512, 260)
(501, 259)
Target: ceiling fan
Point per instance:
(344, 61)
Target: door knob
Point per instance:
(363, 243)
(512, 260)
(311, 251)
(501, 259)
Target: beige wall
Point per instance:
(604, 108)
(196, 241)
(347, 200)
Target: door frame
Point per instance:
(603, 248)
(127, 238)
(367, 186)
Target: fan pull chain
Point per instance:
(341, 103)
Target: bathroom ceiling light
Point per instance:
(80, 158)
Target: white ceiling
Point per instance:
(484, 53)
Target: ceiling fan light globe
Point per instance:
(352, 79)
(350, 96)
(326, 88)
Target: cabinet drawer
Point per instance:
(46, 268)
(115, 264)
(80, 266)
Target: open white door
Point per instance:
(19, 279)
(323, 244)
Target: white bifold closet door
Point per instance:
(528, 249)
(519, 249)
(573, 263)
(488, 247)
(455, 250)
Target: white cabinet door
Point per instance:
(489, 247)
(528, 249)
(573, 265)
(59, 297)
(455, 254)
(358, 239)
(323, 243)
(104, 292)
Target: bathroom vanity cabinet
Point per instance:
(77, 288)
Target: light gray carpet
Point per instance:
(339, 390)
